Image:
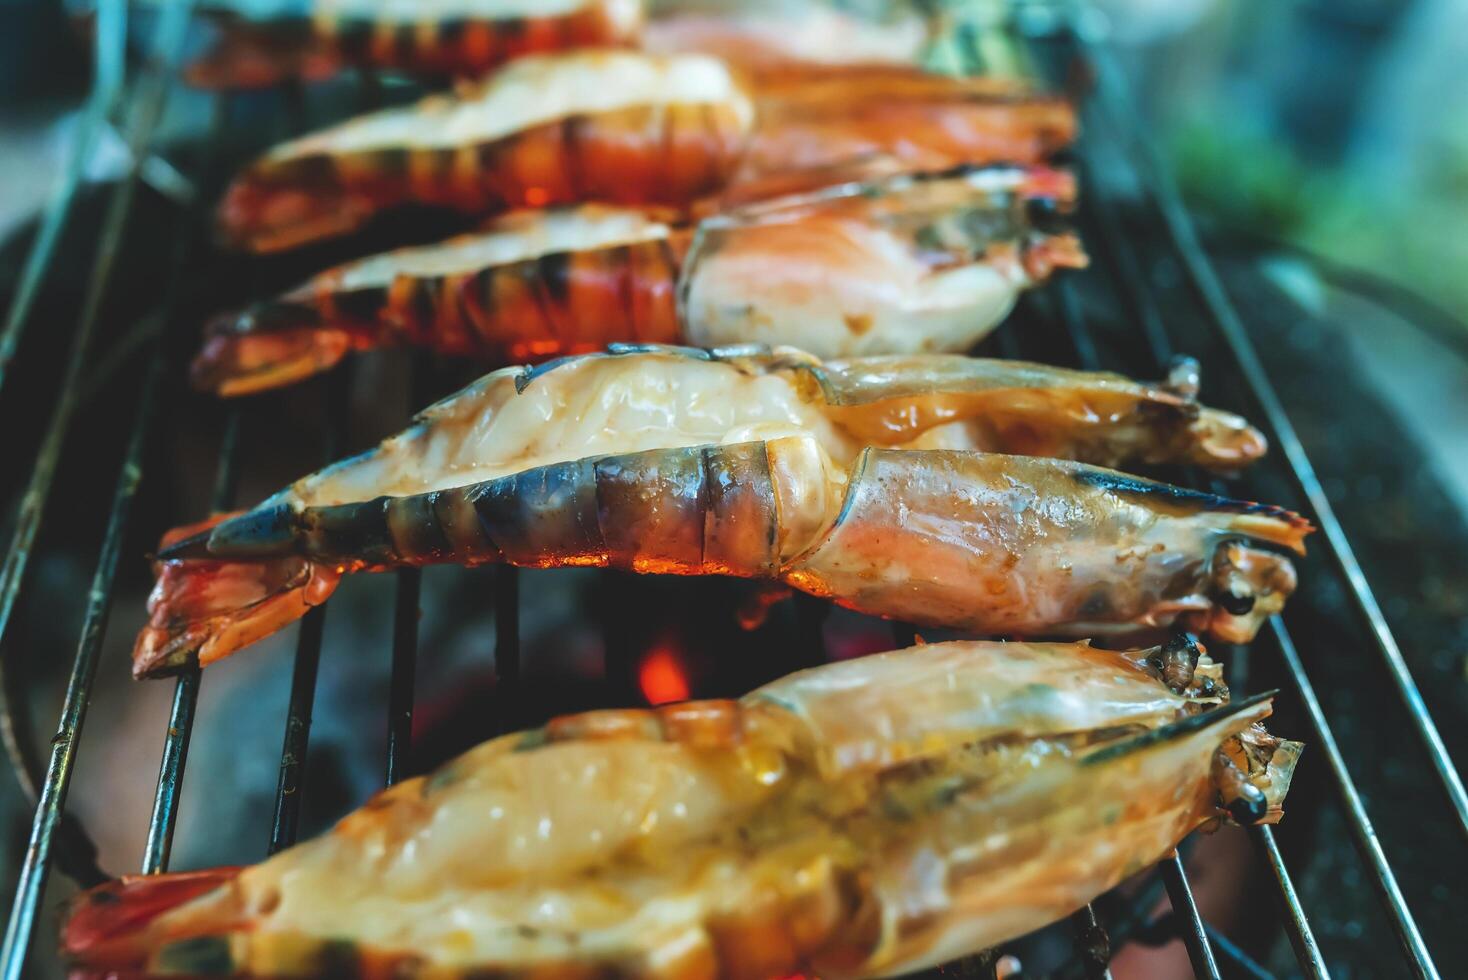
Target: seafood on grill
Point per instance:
(877, 482)
(901, 265)
(623, 127)
(260, 44)
(865, 818)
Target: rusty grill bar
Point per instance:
(56, 841)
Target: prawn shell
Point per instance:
(1017, 545)
(256, 54)
(545, 284)
(588, 143)
(903, 265)
(858, 819)
(752, 462)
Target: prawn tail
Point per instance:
(271, 344)
(111, 927)
(273, 208)
(202, 611)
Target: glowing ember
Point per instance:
(661, 676)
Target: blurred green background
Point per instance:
(1337, 125)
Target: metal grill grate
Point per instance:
(1108, 119)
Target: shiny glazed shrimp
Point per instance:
(622, 128)
(315, 39)
(899, 265)
(864, 818)
(861, 480)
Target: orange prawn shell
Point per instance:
(252, 54)
(645, 147)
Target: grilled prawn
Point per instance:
(258, 45)
(901, 265)
(864, 818)
(865, 481)
(626, 128)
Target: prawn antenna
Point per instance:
(1176, 730)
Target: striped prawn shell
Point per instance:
(563, 302)
(625, 128)
(986, 543)
(884, 266)
(329, 36)
(650, 152)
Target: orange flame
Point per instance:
(661, 676)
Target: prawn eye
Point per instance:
(1250, 806)
(1235, 604)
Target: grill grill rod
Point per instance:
(186, 692)
(1113, 90)
(1114, 101)
(152, 96)
(162, 820)
(1174, 876)
(1123, 268)
(290, 789)
(109, 67)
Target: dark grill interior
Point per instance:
(1119, 316)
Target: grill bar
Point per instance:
(1174, 876)
(1124, 269)
(297, 741)
(402, 681)
(186, 691)
(1093, 946)
(1297, 926)
(287, 820)
(164, 816)
(1190, 922)
(153, 90)
(78, 693)
(1240, 963)
(1189, 251)
(110, 37)
(36, 863)
(1363, 834)
(404, 662)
